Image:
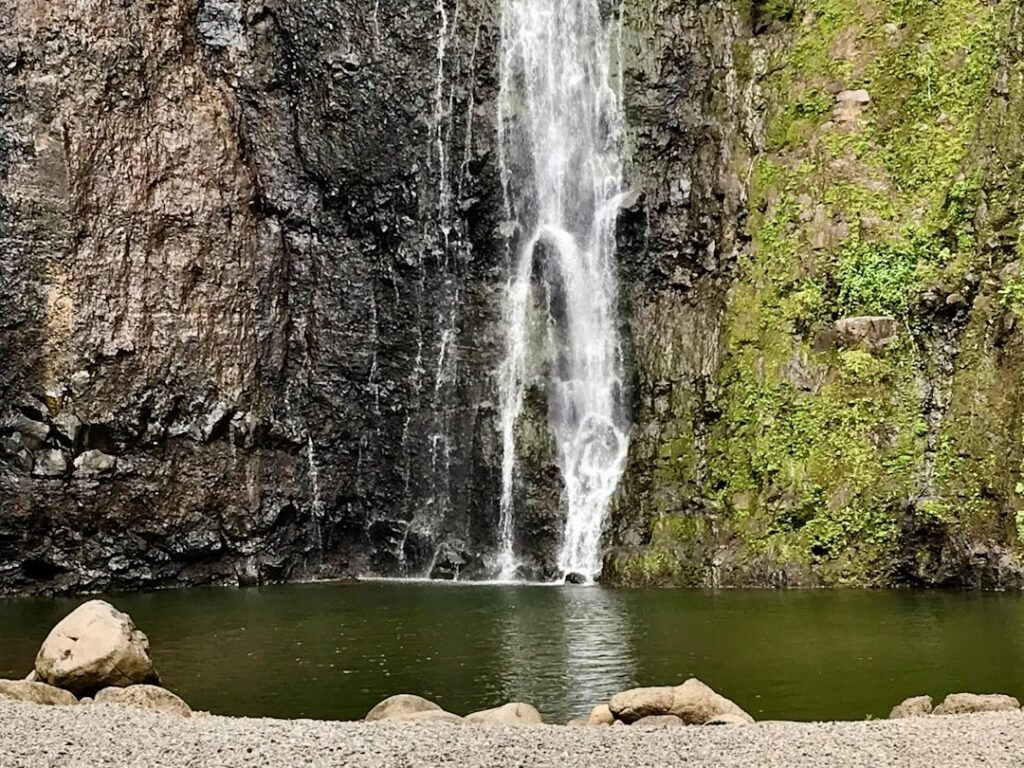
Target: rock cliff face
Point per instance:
(852, 415)
(251, 265)
(249, 282)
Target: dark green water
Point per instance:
(332, 651)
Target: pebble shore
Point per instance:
(108, 735)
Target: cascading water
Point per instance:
(560, 126)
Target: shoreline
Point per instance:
(101, 734)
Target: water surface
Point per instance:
(332, 651)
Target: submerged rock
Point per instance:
(93, 647)
(151, 697)
(401, 705)
(967, 703)
(576, 578)
(915, 706)
(515, 713)
(35, 693)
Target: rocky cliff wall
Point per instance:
(855, 419)
(248, 275)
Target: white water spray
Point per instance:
(561, 128)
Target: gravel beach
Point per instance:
(107, 735)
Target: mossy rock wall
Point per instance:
(781, 438)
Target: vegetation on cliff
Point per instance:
(864, 427)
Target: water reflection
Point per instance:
(563, 650)
(328, 651)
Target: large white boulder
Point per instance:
(95, 646)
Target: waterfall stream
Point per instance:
(560, 123)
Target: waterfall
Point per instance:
(560, 125)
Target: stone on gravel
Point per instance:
(427, 716)
(93, 647)
(659, 721)
(728, 719)
(601, 715)
(578, 723)
(969, 703)
(400, 705)
(629, 706)
(693, 702)
(151, 697)
(916, 706)
(515, 713)
(35, 693)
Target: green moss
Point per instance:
(815, 453)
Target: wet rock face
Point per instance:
(248, 286)
(250, 281)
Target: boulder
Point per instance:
(693, 702)
(428, 716)
(916, 706)
(629, 706)
(601, 715)
(149, 697)
(967, 703)
(34, 693)
(515, 713)
(93, 647)
(696, 703)
(401, 705)
(659, 721)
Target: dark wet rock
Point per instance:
(575, 578)
(49, 463)
(94, 463)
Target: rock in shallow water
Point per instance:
(151, 697)
(93, 647)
